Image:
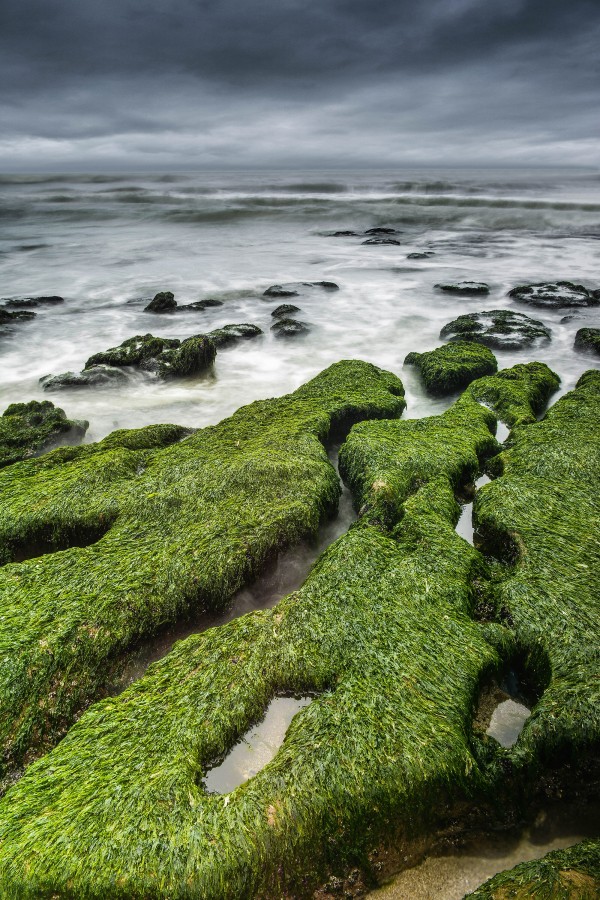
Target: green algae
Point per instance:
(382, 631)
(571, 874)
(588, 339)
(541, 519)
(453, 366)
(518, 394)
(171, 528)
(28, 429)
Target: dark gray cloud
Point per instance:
(186, 82)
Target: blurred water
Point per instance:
(105, 241)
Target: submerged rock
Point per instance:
(286, 328)
(199, 305)
(28, 429)
(422, 254)
(381, 231)
(382, 240)
(464, 287)
(285, 309)
(453, 366)
(342, 234)
(498, 328)
(229, 335)
(163, 302)
(588, 339)
(7, 318)
(96, 376)
(29, 302)
(554, 295)
(292, 289)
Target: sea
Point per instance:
(108, 242)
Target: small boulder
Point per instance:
(292, 289)
(193, 356)
(163, 302)
(199, 305)
(285, 309)
(555, 295)
(588, 340)
(229, 335)
(464, 287)
(342, 234)
(501, 329)
(286, 328)
(381, 231)
(452, 367)
(29, 429)
(6, 317)
(133, 352)
(424, 254)
(382, 241)
(97, 376)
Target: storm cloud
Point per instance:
(192, 83)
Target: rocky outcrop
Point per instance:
(500, 329)
(95, 376)
(463, 287)
(285, 309)
(452, 367)
(555, 295)
(588, 340)
(294, 288)
(288, 328)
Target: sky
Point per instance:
(191, 84)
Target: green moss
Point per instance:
(541, 518)
(572, 874)
(381, 630)
(28, 429)
(171, 529)
(453, 366)
(501, 329)
(134, 351)
(518, 394)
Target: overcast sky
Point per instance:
(159, 84)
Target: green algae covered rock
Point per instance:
(29, 429)
(134, 351)
(168, 528)
(517, 395)
(500, 329)
(168, 357)
(540, 518)
(381, 631)
(588, 339)
(453, 366)
(229, 335)
(571, 874)
(555, 294)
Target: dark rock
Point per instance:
(343, 234)
(25, 303)
(554, 295)
(7, 318)
(29, 429)
(570, 318)
(382, 241)
(289, 328)
(292, 289)
(464, 287)
(133, 352)
(97, 376)
(285, 309)
(199, 305)
(229, 335)
(453, 366)
(588, 340)
(375, 231)
(166, 357)
(163, 302)
(425, 254)
(499, 328)
(29, 302)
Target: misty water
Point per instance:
(108, 243)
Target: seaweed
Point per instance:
(171, 526)
(29, 429)
(571, 874)
(453, 366)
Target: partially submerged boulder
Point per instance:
(292, 289)
(31, 302)
(95, 376)
(588, 340)
(463, 287)
(163, 302)
(29, 429)
(135, 351)
(381, 231)
(555, 294)
(453, 366)
(382, 240)
(287, 328)
(421, 254)
(285, 309)
(8, 318)
(500, 329)
(229, 335)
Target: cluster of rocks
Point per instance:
(165, 358)
(165, 302)
(377, 235)
(17, 309)
(286, 325)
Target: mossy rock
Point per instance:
(150, 530)
(381, 632)
(555, 295)
(167, 357)
(382, 240)
(230, 335)
(519, 394)
(499, 329)
(29, 429)
(588, 340)
(288, 328)
(194, 356)
(285, 309)
(95, 376)
(449, 368)
(571, 874)
(293, 288)
(32, 302)
(463, 287)
(134, 351)
(8, 318)
(540, 519)
(163, 302)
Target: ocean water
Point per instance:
(107, 243)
